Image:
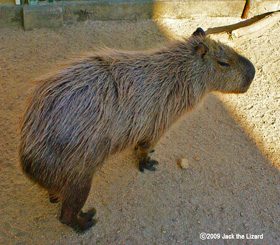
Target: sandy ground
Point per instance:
(231, 142)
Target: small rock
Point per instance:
(163, 230)
(184, 163)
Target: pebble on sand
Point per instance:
(184, 163)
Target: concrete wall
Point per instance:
(55, 14)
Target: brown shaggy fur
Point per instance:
(110, 100)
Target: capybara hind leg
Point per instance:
(54, 197)
(88, 215)
(71, 213)
(145, 162)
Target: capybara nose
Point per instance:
(249, 68)
(250, 71)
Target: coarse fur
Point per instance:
(109, 100)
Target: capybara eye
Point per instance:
(223, 64)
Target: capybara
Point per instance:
(109, 100)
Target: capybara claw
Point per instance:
(82, 227)
(87, 216)
(82, 222)
(54, 199)
(147, 164)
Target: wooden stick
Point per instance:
(230, 28)
(258, 28)
(246, 9)
(245, 30)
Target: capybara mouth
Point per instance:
(243, 88)
(249, 80)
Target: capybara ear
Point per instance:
(201, 49)
(199, 32)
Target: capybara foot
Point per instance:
(148, 164)
(83, 225)
(83, 222)
(88, 215)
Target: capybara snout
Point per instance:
(249, 74)
(110, 100)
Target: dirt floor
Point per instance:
(232, 185)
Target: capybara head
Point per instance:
(223, 68)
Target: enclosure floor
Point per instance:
(232, 143)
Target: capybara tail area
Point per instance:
(26, 164)
(38, 176)
(42, 172)
(59, 177)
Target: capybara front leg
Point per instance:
(145, 162)
(71, 213)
